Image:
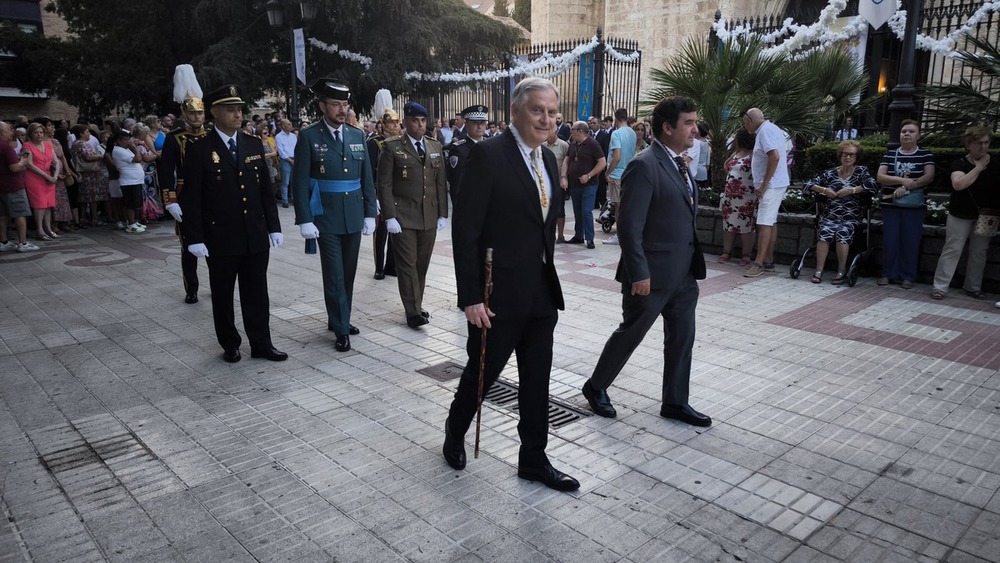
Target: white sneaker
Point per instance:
(120, 225)
(132, 229)
(5, 246)
(26, 247)
(997, 304)
(612, 240)
(139, 227)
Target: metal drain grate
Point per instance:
(443, 372)
(504, 394)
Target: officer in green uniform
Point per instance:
(413, 191)
(457, 152)
(334, 195)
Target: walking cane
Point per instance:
(482, 345)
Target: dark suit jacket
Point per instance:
(563, 131)
(498, 207)
(603, 138)
(656, 228)
(228, 204)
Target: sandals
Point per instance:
(43, 237)
(937, 294)
(723, 258)
(840, 279)
(745, 261)
(975, 294)
(817, 277)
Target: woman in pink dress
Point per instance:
(40, 181)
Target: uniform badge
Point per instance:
(435, 155)
(357, 148)
(404, 173)
(322, 169)
(215, 157)
(453, 161)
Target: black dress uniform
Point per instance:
(385, 263)
(456, 154)
(230, 208)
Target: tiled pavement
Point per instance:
(852, 424)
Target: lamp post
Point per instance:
(902, 105)
(276, 18)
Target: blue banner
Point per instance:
(585, 98)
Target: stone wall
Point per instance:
(559, 20)
(796, 233)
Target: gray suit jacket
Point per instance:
(656, 228)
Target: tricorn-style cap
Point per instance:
(330, 89)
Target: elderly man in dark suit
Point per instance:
(231, 218)
(660, 264)
(506, 206)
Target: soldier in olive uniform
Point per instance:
(457, 153)
(385, 264)
(334, 197)
(413, 192)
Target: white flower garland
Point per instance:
(806, 39)
(358, 58)
(554, 64)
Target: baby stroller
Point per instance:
(859, 252)
(607, 216)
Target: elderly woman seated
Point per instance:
(845, 187)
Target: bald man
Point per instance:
(770, 177)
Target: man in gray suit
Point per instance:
(660, 264)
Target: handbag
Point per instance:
(82, 165)
(70, 181)
(988, 223)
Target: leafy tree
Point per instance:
(800, 96)
(975, 98)
(501, 8)
(522, 13)
(120, 55)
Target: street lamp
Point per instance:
(276, 18)
(902, 105)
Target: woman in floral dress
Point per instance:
(62, 213)
(152, 207)
(93, 181)
(739, 201)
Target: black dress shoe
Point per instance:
(550, 477)
(454, 449)
(685, 413)
(191, 298)
(590, 244)
(416, 321)
(425, 314)
(270, 354)
(379, 276)
(575, 240)
(353, 330)
(599, 401)
(232, 356)
(343, 343)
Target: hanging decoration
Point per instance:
(335, 50)
(805, 39)
(547, 65)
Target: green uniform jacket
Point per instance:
(317, 157)
(414, 194)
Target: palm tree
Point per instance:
(975, 98)
(801, 96)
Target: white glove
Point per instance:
(378, 207)
(308, 230)
(442, 223)
(276, 239)
(392, 225)
(369, 227)
(175, 210)
(199, 250)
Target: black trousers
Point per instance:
(385, 262)
(251, 271)
(677, 307)
(189, 269)
(526, 330)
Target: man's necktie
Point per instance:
(682, 167)
(232, 148)
(420, 151)
(540, 180)
(336, 135)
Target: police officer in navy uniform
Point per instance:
(335, 201)
(231, 219)
(457, 152)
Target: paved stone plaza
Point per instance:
(851, 424)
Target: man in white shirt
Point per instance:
(285, 142)
(770, 176)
